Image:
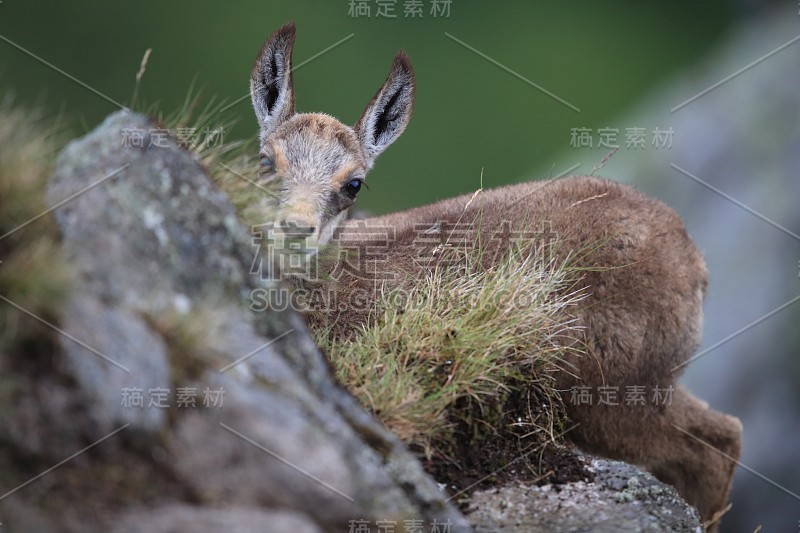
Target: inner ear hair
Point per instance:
(389, 112)
(271, 84)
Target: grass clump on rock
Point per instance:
(463, 352)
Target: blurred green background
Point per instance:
(469, 115)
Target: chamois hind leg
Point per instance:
(698, 456)
(666, 440)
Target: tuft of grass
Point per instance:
(455, 349)
(201, 128)
(33, 275)
(198, 126)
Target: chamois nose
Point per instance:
(294, 229)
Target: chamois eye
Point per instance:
(352, 187)
(267, 164)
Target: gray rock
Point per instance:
(621, 498)
(283, 448)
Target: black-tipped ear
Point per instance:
(388, 113)
(271, 86)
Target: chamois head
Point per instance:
(318, 164)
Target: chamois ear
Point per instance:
(271, 87)
(388, 113)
